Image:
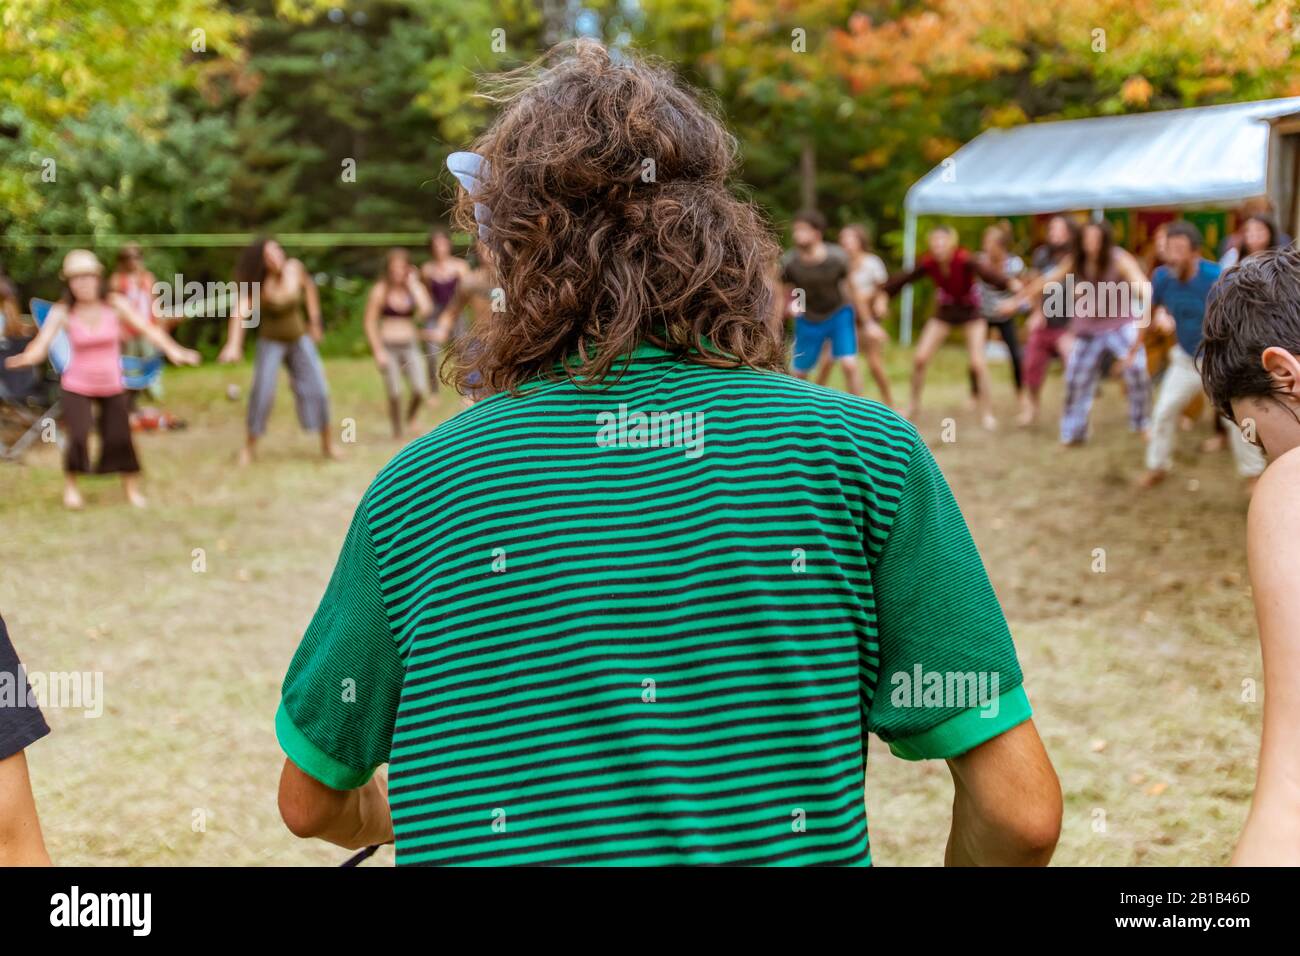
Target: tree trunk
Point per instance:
(807, 176)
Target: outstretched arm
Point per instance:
(39, 348)
(175, 352)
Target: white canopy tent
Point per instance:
(1185, 157)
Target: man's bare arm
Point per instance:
(348, 818)
(21, 843)
(1006, 810)
(1272, 833)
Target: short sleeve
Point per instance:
(340, 696)
(948, 677)
(876, 271)
(1158, 286)
(21, 721)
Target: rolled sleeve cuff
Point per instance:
(313, 761)
(966, 730)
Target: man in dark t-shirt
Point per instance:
(21, 724)
(816, 274)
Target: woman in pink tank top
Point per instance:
(94, 325)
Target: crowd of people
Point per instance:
(1087, 302)
(410, 316)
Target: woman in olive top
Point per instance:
(274, 290)
(644, 602)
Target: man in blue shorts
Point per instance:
(817, 274)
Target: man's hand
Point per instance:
(1164, 322)
(1007, 809)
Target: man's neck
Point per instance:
(1189, 268)
(814, 253)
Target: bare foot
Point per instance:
(989, 423)
(1026, 418)
(72, 499)
(1151, 478)
(245, 457)
(137, 500)
(1214, 443)
(911, 413)
(333, 454)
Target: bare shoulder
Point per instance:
(1275, 504)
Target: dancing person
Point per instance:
(816, 273)
(474, 297)
(397, 303)
(995, 254)
(1180, 290)
(92, 380)
(1102, 289)
(11, 320)
(274, 291)
(1250, 368)
(1048, 335)
(134, 282)
(539, 665)
(867, 273)
(953, 270)
(21, 725)
(1236, 246)
(442, 273)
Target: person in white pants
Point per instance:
(1180, 290)
(1181, 384)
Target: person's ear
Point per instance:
(1283, 368)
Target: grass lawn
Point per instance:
(1136, 673)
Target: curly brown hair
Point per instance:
(612, 223)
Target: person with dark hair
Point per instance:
(643, 603)
(1256, 232)
(132, 280)
(11, 324)
(1101, 289)
(954, 272)
(867, 273)
(1180, 289)
(274, 292)
(93, 319)
(1250, 367)
(21, 725)
(397, 302)
(442, 273)
(1049, 336)
(816, 275)
(996, 254)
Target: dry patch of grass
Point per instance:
(1135, 673)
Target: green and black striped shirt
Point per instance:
(649, 624)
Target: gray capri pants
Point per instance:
(406, 360)
(306, 378)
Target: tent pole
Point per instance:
(909, 263)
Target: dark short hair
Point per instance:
(1185, 229)
(811, 217)
(1255, 305)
